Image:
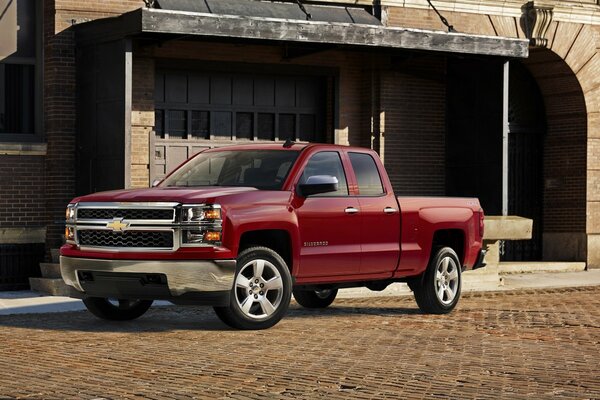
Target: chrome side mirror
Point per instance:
(318, 184)
(156, 182)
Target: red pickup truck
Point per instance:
(241, 228)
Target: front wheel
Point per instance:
(116, 310)
(438, 291)
(261, 291)
(315, 298)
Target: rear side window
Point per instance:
(327, 163)
(367, 175)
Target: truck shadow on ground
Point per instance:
(176, 318)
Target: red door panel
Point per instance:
(329, 237)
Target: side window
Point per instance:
(367, 175)
(327, 163)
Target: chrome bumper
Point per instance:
(182, 276)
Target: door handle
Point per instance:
(351, 210)
(389, 210)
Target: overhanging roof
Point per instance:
(209, 25)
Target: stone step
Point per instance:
(52, 287)
(50, 270)
(521, 267)
(55, 255)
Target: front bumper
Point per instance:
(183, 278)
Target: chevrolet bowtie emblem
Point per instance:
(117, 225)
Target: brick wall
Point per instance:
(60, 99)
(413, 104)
(22, 191)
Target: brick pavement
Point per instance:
(534, 344)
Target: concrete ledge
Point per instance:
(525, 267)
(22, 235)
(23, 149)
(509, 227)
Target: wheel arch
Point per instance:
(278, 240)
(453, 238)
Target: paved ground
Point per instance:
(527, 344)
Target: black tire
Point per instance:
(428, 289)
(315, 298)
(126, 309)
(253, 308)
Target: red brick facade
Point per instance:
(398, 108)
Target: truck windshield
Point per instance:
(262, 169)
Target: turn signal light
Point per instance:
(69, 233)
(213, 213)
(212, 236)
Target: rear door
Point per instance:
(329, 223)
(380, 216)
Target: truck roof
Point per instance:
(279, 146)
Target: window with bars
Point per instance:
(20, 80)
(242, 107)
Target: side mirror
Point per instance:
(318, 184)
(156, 182)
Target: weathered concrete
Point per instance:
(509, 227)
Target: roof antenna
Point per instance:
(308, 15)
(288, 143)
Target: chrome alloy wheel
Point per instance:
(446, 280)
(258, 289)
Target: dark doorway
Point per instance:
(527, 128)
(474, 144)
(474, 131)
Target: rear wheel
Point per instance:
(315, 298)
(438, 291)
(116, 309)
(261, 292)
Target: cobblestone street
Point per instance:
(536, 344)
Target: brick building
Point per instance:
(111, 94)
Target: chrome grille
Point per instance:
(126, 213)
(130, 239)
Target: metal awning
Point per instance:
(148, 21)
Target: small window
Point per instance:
(367, 175)
(327, 163)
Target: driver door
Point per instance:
(329, 223)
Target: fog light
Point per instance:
(212, 236)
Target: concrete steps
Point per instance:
(539, 266)
(50, 270)
(51, 282)
(50, 286)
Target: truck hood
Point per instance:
(166, 194)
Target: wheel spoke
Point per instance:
(438, 275)
(242, 282)
(266, 306)
(440, 293)
(445, 264)
(246, 304)
(453, 275)
(449, 293)
(274, 283)
(259, 266)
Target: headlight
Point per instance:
(70, 213)
(200, 213)
(202, 225)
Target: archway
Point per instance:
(564, 157)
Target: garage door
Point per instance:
(198, 110)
